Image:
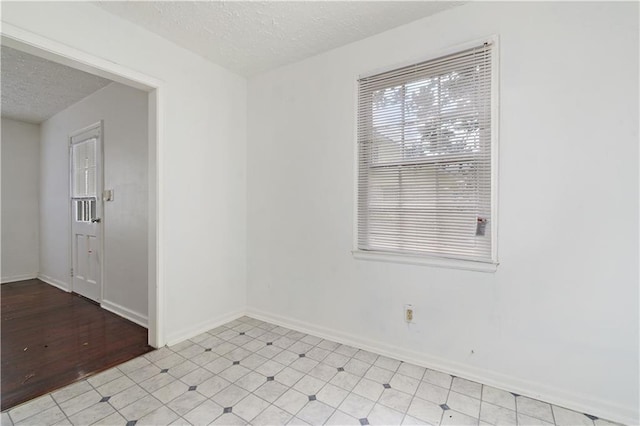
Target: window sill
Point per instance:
(467, 265)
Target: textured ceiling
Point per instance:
(249, 37)
(34, 89)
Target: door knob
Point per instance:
(96, 220)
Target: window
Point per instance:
(83, 170)
(425, 169)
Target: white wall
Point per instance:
(559, 319)
(202, 157)
(20, 174)
(125, 120)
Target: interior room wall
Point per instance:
(559, 318)
(123, 111)
(202, 158)
(20, 144)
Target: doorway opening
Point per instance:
(86, 193)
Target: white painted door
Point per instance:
(86, 211)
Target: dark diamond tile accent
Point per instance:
(269, 343)
(236, 362)
(105, 399)
(208, 350)
(312, 397)
(242, 333)
(270, 379)
(227, 410)
(445, 407)
(386, 385)
(364, 421)
(192, 388)
(340, 369)
(302, 355)
(515, 394)
(594, 418)
(132, 422)
(164, 370)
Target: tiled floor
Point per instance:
(253, 372)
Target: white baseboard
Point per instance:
(22, 277)
(54, 282)
(578, 402)
(127, 313)
(187, 333)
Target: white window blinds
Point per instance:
(424, 151)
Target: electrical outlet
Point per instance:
(408, 313)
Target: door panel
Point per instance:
(86, 208)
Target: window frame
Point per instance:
(430, 259)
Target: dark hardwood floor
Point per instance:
(51, 338)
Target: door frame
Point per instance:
(46, 48)
(99, 200)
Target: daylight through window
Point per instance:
(424, 151)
